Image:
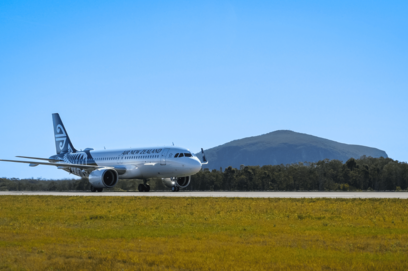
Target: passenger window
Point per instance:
(181, 155)
(175, 156)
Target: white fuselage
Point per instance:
(140, 163)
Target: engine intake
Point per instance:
(103, 178)
(181, 182)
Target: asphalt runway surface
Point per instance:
(345, 195)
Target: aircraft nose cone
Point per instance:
(196, 165)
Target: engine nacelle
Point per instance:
(181, 182)
(103, 178)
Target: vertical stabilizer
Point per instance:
(62, 141)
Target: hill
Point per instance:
(283, 147)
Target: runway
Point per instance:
(345, 195)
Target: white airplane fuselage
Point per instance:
(135, 163)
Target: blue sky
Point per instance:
(146, 73)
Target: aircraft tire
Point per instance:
(93, 189)
(147, 188)
(141, 188)
(177, 189)
(99, 189)
(173, 189)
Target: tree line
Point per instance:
(366, 173)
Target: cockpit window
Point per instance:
(175, 156)
(181, 155)
(187, 155)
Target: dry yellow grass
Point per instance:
(123, 233)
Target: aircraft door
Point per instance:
(163, 157)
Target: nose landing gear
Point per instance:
(175, 188)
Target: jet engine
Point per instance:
(176, 183)
(103, 178)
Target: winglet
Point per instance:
(204, 159)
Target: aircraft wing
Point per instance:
(53, 164)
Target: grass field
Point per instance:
(123, 233)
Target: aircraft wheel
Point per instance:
(147, 188)
(173, 188)
(177, 189)
(93, 189)
(99, 189)
(141, 187)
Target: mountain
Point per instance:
(283, 147)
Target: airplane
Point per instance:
(103, 169)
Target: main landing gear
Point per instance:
(94, 189)
(175, 188)
(144, 187)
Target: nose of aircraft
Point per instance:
(196, 165)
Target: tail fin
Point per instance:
(62, 141)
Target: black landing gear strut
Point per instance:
(144, 187)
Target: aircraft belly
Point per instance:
(155, 170)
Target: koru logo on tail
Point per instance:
(61, 136)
